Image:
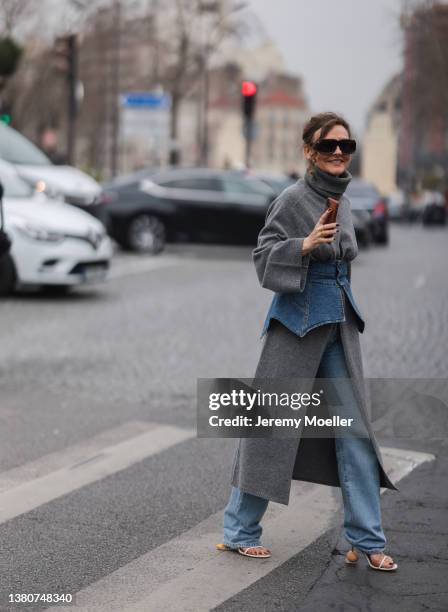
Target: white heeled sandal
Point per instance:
(351, 558)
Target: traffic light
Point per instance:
(65, 61)
(249, 97)
(5, 118)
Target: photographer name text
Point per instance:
(313, 421)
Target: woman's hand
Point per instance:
(322, 232)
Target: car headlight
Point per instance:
(42, 186)
(37, 232)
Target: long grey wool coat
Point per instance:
(266, 466)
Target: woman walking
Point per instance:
(312, 331)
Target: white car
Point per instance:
(53, 244)
(60, 182)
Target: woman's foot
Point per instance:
(381, 561)
(255, 551)
(248, 551)
(377, 561)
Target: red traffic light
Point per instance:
(248, 88)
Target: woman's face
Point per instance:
(334, 163)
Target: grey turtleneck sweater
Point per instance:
(291, 217)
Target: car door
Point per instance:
(194, 197)
(247, 202)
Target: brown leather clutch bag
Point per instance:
(333, 208)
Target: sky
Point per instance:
(345, 50)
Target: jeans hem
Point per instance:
(372, 551)
(241, 544)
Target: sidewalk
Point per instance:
(415, 521)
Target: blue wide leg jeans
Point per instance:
(358, 471)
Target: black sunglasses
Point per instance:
(329, 145)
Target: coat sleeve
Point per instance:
(278, 258)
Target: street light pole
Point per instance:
(72, 80)
(116, 88)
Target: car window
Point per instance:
(14, 186)
(17, 149)
(232, 185)
(201, 183)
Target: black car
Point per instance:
(361, 223)
(277, 182)
(365, 197)
(155, 206)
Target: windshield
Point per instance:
(14, 186)
(17, 149)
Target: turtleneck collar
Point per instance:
(327, 184)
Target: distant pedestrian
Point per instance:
(49, 144)
(312, 331)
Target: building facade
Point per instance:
(381, 138)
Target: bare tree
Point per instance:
(180, 38)
(190, 33)
(427, 30)
(12, 14)
(425, 25)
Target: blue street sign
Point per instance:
(145, 99)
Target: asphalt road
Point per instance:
(108, 375)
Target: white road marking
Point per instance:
(20, 495)
(420, 281)
(187, 574)
(400, 462)
(72, 454)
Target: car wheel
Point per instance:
(383, 237)
(363, 238)
(8, 275)
(146, 234)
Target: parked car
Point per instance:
(396, 205)
(434, 211)
(361, 223)
(364, 196)
(53, 244)
(151, 207)
(426, 206)
(60, 182)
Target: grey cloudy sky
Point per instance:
(345, 50)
